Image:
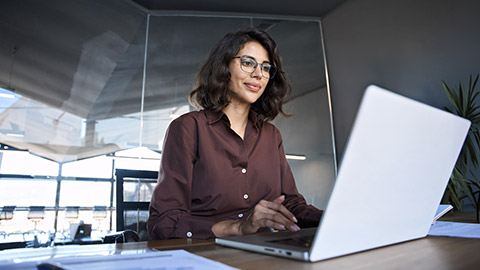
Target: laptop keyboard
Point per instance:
(302, 241)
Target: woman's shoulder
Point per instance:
(190, 117)
(271, 128)
(187, 120)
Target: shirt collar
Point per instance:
(254, 119)
(213, 117)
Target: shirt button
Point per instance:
(245, 196)
(240, 215)
(189, 234)
(244, 170)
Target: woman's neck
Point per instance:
(238, 116)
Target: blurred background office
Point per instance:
(89, 88)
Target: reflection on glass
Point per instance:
(155, 123)
(87, 107)
(46, 131)
(138, 190)
(308, 131)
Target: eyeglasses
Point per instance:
(249, 65)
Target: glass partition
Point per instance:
(74, 109)
(178, 45)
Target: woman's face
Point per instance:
(247, 87)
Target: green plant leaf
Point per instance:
(463, 184)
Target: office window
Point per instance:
(24, 193)
(95, 167)
(27, 192)
(85, 193)
(139, 158)
(24, 163)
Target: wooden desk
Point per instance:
(431, 252)
(427, 253)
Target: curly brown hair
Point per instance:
(211, 89)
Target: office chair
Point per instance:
(36, 214)
(134, 190)
(6, 214)
(126, 236)
(99, 214)
(71, 214)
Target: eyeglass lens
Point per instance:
(249, 65)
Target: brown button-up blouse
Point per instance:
(209, 174)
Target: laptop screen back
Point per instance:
(394, 171)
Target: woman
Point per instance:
(223, 170)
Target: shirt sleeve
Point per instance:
(170, 207)
(307, 215)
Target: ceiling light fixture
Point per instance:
(296, 157)
(5, 95)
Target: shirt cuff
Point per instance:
(194, 227)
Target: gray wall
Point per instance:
(408, 46)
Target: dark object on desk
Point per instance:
(49, 266)
(82, 241)
(81, 230)
(126, 236)
(9, 245)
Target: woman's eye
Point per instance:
(247, 63)
(266, 68)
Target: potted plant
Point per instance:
(464, 184)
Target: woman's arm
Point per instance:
(170, 207)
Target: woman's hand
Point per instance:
(269, 214)
(265, 214)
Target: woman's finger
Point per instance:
(262, 214)
(280, 199)
(279, 208)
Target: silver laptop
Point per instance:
(394, 171)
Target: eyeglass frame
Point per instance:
(271, 73)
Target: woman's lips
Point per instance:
(253, 86)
